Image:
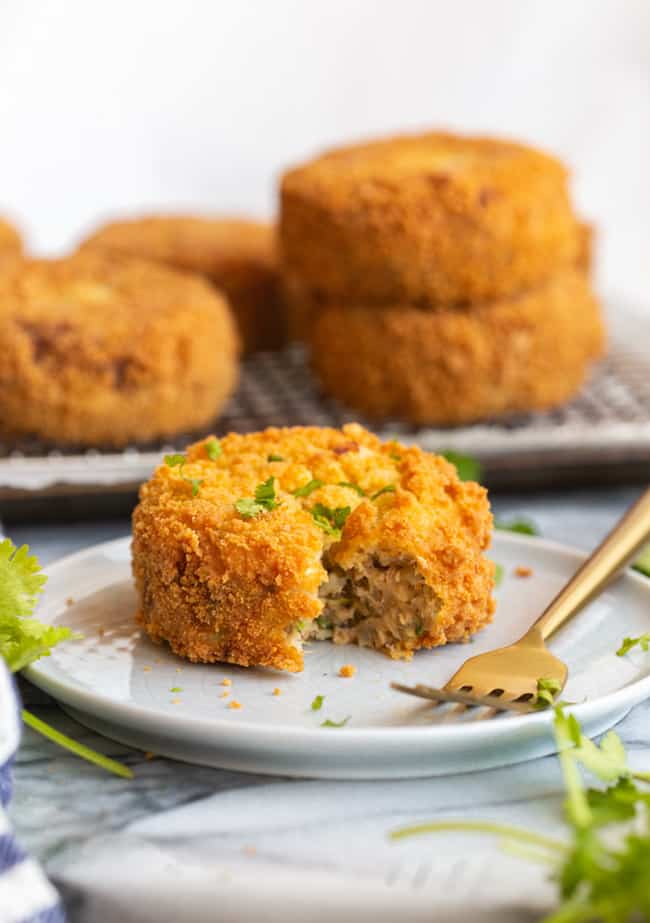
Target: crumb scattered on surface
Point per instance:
(250, 850)
(176, 701)
(179, 669)
(146, 669)
(277, 691)
(69, 601)
(101, 631)
(149, 755)
(234, 704)
(347, 669)
(224, 694)
(226, 682)
(522, 571)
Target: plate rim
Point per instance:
(178, 724)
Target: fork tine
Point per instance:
(464, 698)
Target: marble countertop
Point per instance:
(192, 843)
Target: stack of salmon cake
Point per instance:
(439, 279)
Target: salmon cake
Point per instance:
(426, 219)
(452, 366)
(11, 245)
(101, 349)
(237, 255)
(248, 547)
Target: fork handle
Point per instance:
(616, 550)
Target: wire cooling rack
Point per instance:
(602, 436)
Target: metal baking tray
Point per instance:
(601, 437)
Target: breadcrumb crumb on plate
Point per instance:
(389, 735)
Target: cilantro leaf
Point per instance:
(335, 724)
(628, 643)
(213, 448)
(354, 487)
(330, 520)
(176, 689)
(265, 499)
(23, 640)
(308, 488)
(388, 489)
(498, 574)
(179, 461)
(468, 468)
(317, 704)
(175, 460)
(521, 526)
(547, 690)
(272, 458)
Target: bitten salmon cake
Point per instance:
(450, 366)
(245, 548)
(238, 256)
(425, 219)
(100, 349)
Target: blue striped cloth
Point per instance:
(26, 896)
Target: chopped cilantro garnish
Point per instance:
(468, 468)
(317, 704)
(179, 461)
(308, 488)
(521, 526)
(264, 499)
(272, 458)
(213, 448)
(388, 489)
(354, 487)
(335, 724)
(498, 574)
(330, 520)
(176, 689)
(173, 461)
(24, 639)
(643, 641)
(419, 627)
(547, 689)
(642, 563)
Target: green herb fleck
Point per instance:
(419, 627)
(176, 689)
(468, 468)
(498, 574)
(308, 488)
(330, 520)
(272, 458)
(521, 526)
(335, 724)
(173, 461)
(547, 690)
(179, 461)
(91, 756)
(643, 641)
(317, 704)
(388, 489)
(642, 563)
(213, 448)
(354, 487)
(265, 499)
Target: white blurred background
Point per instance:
(130, 105)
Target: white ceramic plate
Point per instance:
(120, 684)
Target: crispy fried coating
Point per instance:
(528, 352)
(104, 349)
(11, 245)
(587, 239)
(218, 586)
(426, 219)
(237, 255)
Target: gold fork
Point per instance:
(507, 679)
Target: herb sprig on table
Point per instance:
(601, 870)
(23, 639)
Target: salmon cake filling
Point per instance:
(248, 547)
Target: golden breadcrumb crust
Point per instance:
(426, 219)
(104, 349)
(219, 587)
(528, 352)
(11, 245)
(587, 239)
(237, 255)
